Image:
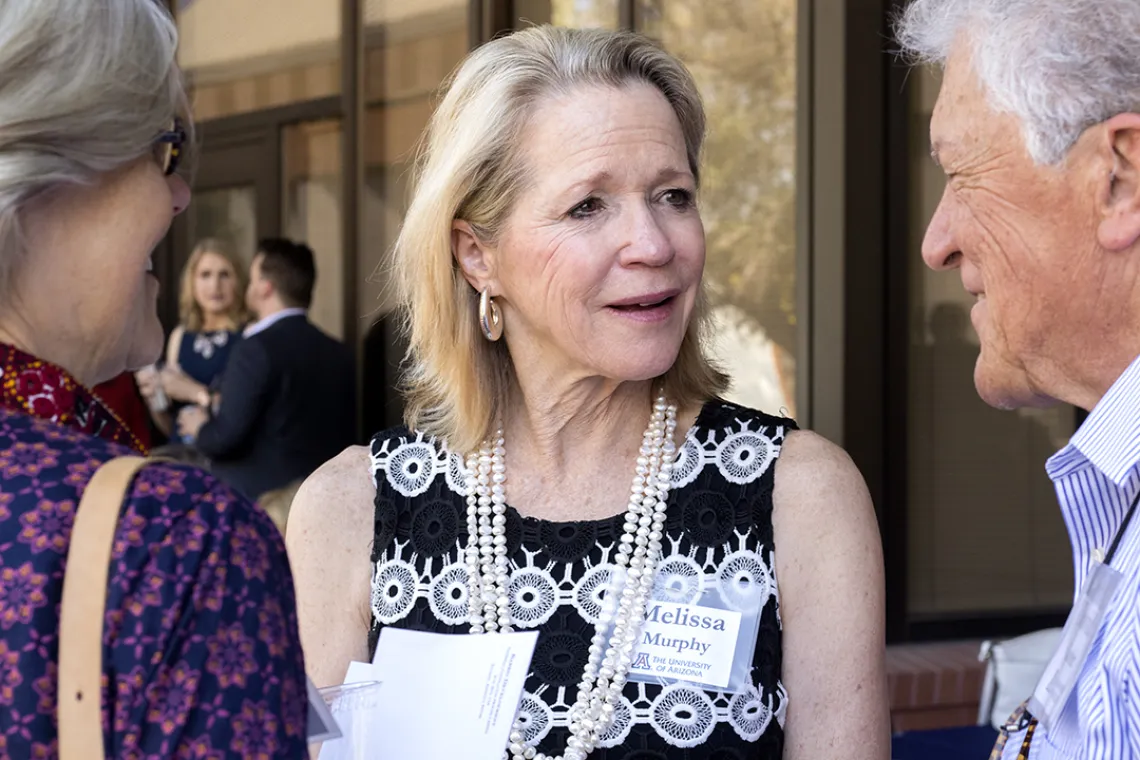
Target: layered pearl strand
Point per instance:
(639, 552)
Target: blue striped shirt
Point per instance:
(1096, 476)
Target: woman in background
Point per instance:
(212, 313)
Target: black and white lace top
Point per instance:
(718, 536)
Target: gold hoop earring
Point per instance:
(490, 318)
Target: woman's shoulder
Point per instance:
(736, 442)
(402, 435)
(818, 487)
(177, 517)
(345, 475)
(180, 481)
(332, 506)
(718, 415)
(803, 454)
(174, 344)
(183, 490)
(410, 462)
(809, 458)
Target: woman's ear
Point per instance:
(476, 260)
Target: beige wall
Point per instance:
(311, 196)
(391, 11)
(402, 76)
(248, 55)
(216, 32)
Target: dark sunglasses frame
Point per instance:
(172, 141)
(1019, 721)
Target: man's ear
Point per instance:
(1120, 191)
(476, 260)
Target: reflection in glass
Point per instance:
(229, 214)
(410, 47)
(311, 194)
(588, 14)
(743, 56)
(247, 55)
(985, 531)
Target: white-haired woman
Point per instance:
(551, 263)
(200, 651)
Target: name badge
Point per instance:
(1061, 674)
(687, 642)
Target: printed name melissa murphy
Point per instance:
(684, 619)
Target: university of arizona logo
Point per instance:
(641, 662)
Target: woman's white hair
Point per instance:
(1060, 66)
(85, 87)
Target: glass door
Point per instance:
(236, 198)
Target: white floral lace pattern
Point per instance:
(683, 716)
(447, 594)
(394, 591)
(740, 571)
(750, 714)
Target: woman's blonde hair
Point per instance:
(470, 166)
(189, 310)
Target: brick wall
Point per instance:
(934, 685)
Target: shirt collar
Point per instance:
(1109, 439)
(41, 389)
(272, 319)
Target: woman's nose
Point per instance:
(179, 193)
(648, 241)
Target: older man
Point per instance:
(1038, 130)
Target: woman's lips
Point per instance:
(646, 312)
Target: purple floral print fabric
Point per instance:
(201, 655)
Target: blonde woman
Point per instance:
(212, 313)
(565, 432)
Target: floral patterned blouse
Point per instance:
(201, 657)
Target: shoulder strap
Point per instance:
(83, 608)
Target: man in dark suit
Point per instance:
(288, 399)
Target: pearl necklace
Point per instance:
(639, 551)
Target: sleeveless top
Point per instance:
(718, 535)
(203, 355)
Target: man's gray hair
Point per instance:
(85, 87)
(1059, 66)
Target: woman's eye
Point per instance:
(678, 198)
(586, 208)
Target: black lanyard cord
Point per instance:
(1123, 529)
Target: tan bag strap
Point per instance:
(83, 608)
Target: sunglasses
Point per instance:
(168, 147)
